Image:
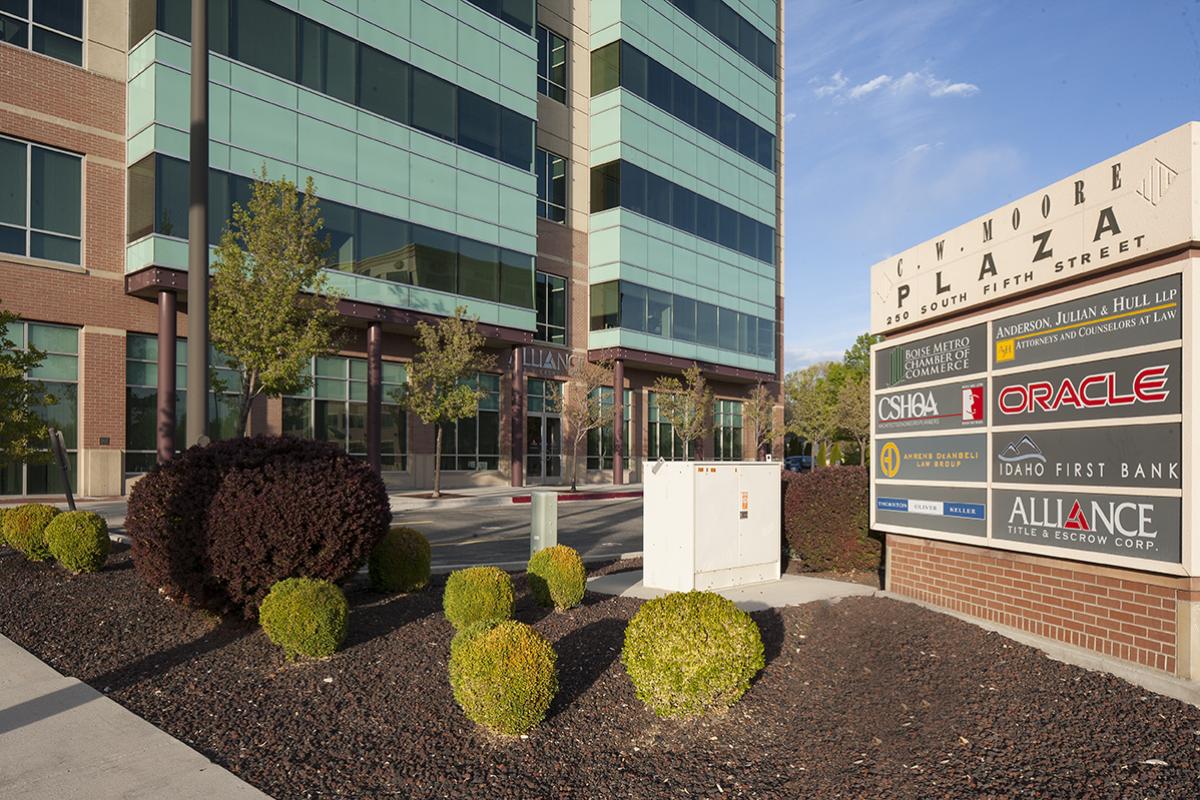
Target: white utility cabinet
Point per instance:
(710, 524)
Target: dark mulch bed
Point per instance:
(864, 698)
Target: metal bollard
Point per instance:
(543, 530)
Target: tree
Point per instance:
(450, 353)
(759, 414)
(857, 360)
(808, 410)
(272, 310)
(854, 412)
(23, 433)
(686, 406)
(582, 408)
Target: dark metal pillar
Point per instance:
(374, 395)
(198, 383)
(618, 422)
(517, 414)
(166, 376)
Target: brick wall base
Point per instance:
(1139, 617)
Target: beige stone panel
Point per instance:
(108, 36)
(1187, 639)
(100, 473)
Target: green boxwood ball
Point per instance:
(477, 594)
(504, 675)
(557, 577)
(79, 540)
(25, 529)
(691, 652)
(400, 562)
(305, 617)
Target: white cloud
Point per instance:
(791, 115)
(872, 85)
(835, 85)
(921, 82)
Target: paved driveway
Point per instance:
(500, 534)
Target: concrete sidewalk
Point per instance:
(789, 590)
(60, 738)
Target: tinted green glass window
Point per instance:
(516, 139)
(13, 156)
(478, 270)
(478, 124)
(684, 327)
(551, 305)
(436, 259)
(706, 324)
(605, 306)
(606, 186)
(516, 279)
(382, 84)
(339, 230)
(606, 68)
(728, 330)
(433, 105)
(265, 36)
(633, 306)
(54, 191)
(658, 312)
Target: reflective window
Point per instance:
(629, 186)
(552, 185)
(478, 124)
(59, 376)
(382, 84)
(40, 202)
(141, 399)
(727, 430)
(360, 241)
(473, 444)
(622, 64)
(551, 302)
(552, 64)
(296, 48)
(265, 37)
(733, 29)
(622, 304)
(605, 306)
(433, 105)
(55, 28)
(334, 409)
(606, 68)
(478, 270)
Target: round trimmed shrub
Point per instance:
(691, 652)
(3, 514)
(217, 526)
(477, 594)
(25, 529)
(79, 540)
(504, 675)
(557, 577)
(305, 617)
(400, 562)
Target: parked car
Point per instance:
(797, 463)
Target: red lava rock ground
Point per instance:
(865, 698)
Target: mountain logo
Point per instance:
(1024, 449)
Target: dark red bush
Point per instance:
(217, 526)
(826, 520)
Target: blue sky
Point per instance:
(908, 117)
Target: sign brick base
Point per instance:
(1140, 617)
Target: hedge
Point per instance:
(826, 519)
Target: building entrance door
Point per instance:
(543, 431)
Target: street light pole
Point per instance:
(197, 311)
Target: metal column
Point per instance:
(374, 395)
(165, 444)
(618, 422)
(198, 383)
